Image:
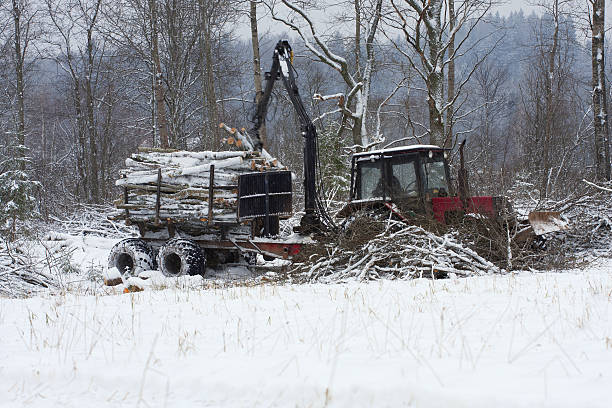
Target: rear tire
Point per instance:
(131, 256)
(179, 257)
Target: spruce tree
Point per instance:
(17, 201)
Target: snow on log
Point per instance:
(172, 185)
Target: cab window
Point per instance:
(369, 179)
(435, 177)
(403, 181)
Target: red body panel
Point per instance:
(283, 250)
(477, 205)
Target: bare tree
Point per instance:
(160, 121)
(256, 62)
(549, 126)
(210, 14)
(353, 105)
(21, 29)
(78, 54)
(451, 72)
(600, 105)
(426, 28)
(490, 82)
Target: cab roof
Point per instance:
(401, 149)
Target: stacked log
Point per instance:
(163, 185)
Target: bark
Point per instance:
(448, 141)
(80, 131)
(160, 107)
(600, 108)
(209, 94)
(106, 142)
(357, 35)
(19, 62)
(548, 89)
(91, 123)
(362, 97)
(354, 106)
(435, 78)
(257, 64)
(431, 46)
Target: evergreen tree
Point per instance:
(17, 201)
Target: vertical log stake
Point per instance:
(125, 201)
(211, 195)
(158, 198)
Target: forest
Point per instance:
(87, 81)
(305, 203)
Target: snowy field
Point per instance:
(527, 340)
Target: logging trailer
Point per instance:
(234, 210)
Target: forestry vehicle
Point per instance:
(408, 181)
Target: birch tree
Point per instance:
(256, 61)
(429, 31)
(354, 104)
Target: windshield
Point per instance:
(435, 178)
(400, 179)
(403, 178)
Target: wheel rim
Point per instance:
(173, 264)
(124, 263)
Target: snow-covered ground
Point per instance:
(525, 340)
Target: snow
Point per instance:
(399, 148)
(531, 339)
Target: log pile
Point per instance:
(163, 185)
(390, 250)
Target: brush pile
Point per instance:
(22, 274)
(372, 249)
(590, 213)
(161, 185)
(91, 219)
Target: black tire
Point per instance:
(179, 257)
(131, 256)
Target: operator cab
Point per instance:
(408, 176)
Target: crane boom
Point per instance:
(282, 68)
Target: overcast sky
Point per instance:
(267, 25)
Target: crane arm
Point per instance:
(282, 68)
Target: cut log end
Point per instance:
(112, 281)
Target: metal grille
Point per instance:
(262, 194)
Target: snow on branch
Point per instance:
(596, 186)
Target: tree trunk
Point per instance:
(257, 64)
(448, 140)
(82, 144)
(211, 95)
(91, 124)
(600, 108)
(160, 106)
(19, 57)
(357, 134)
(548, 126)
(435, 78)
(357, 37)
